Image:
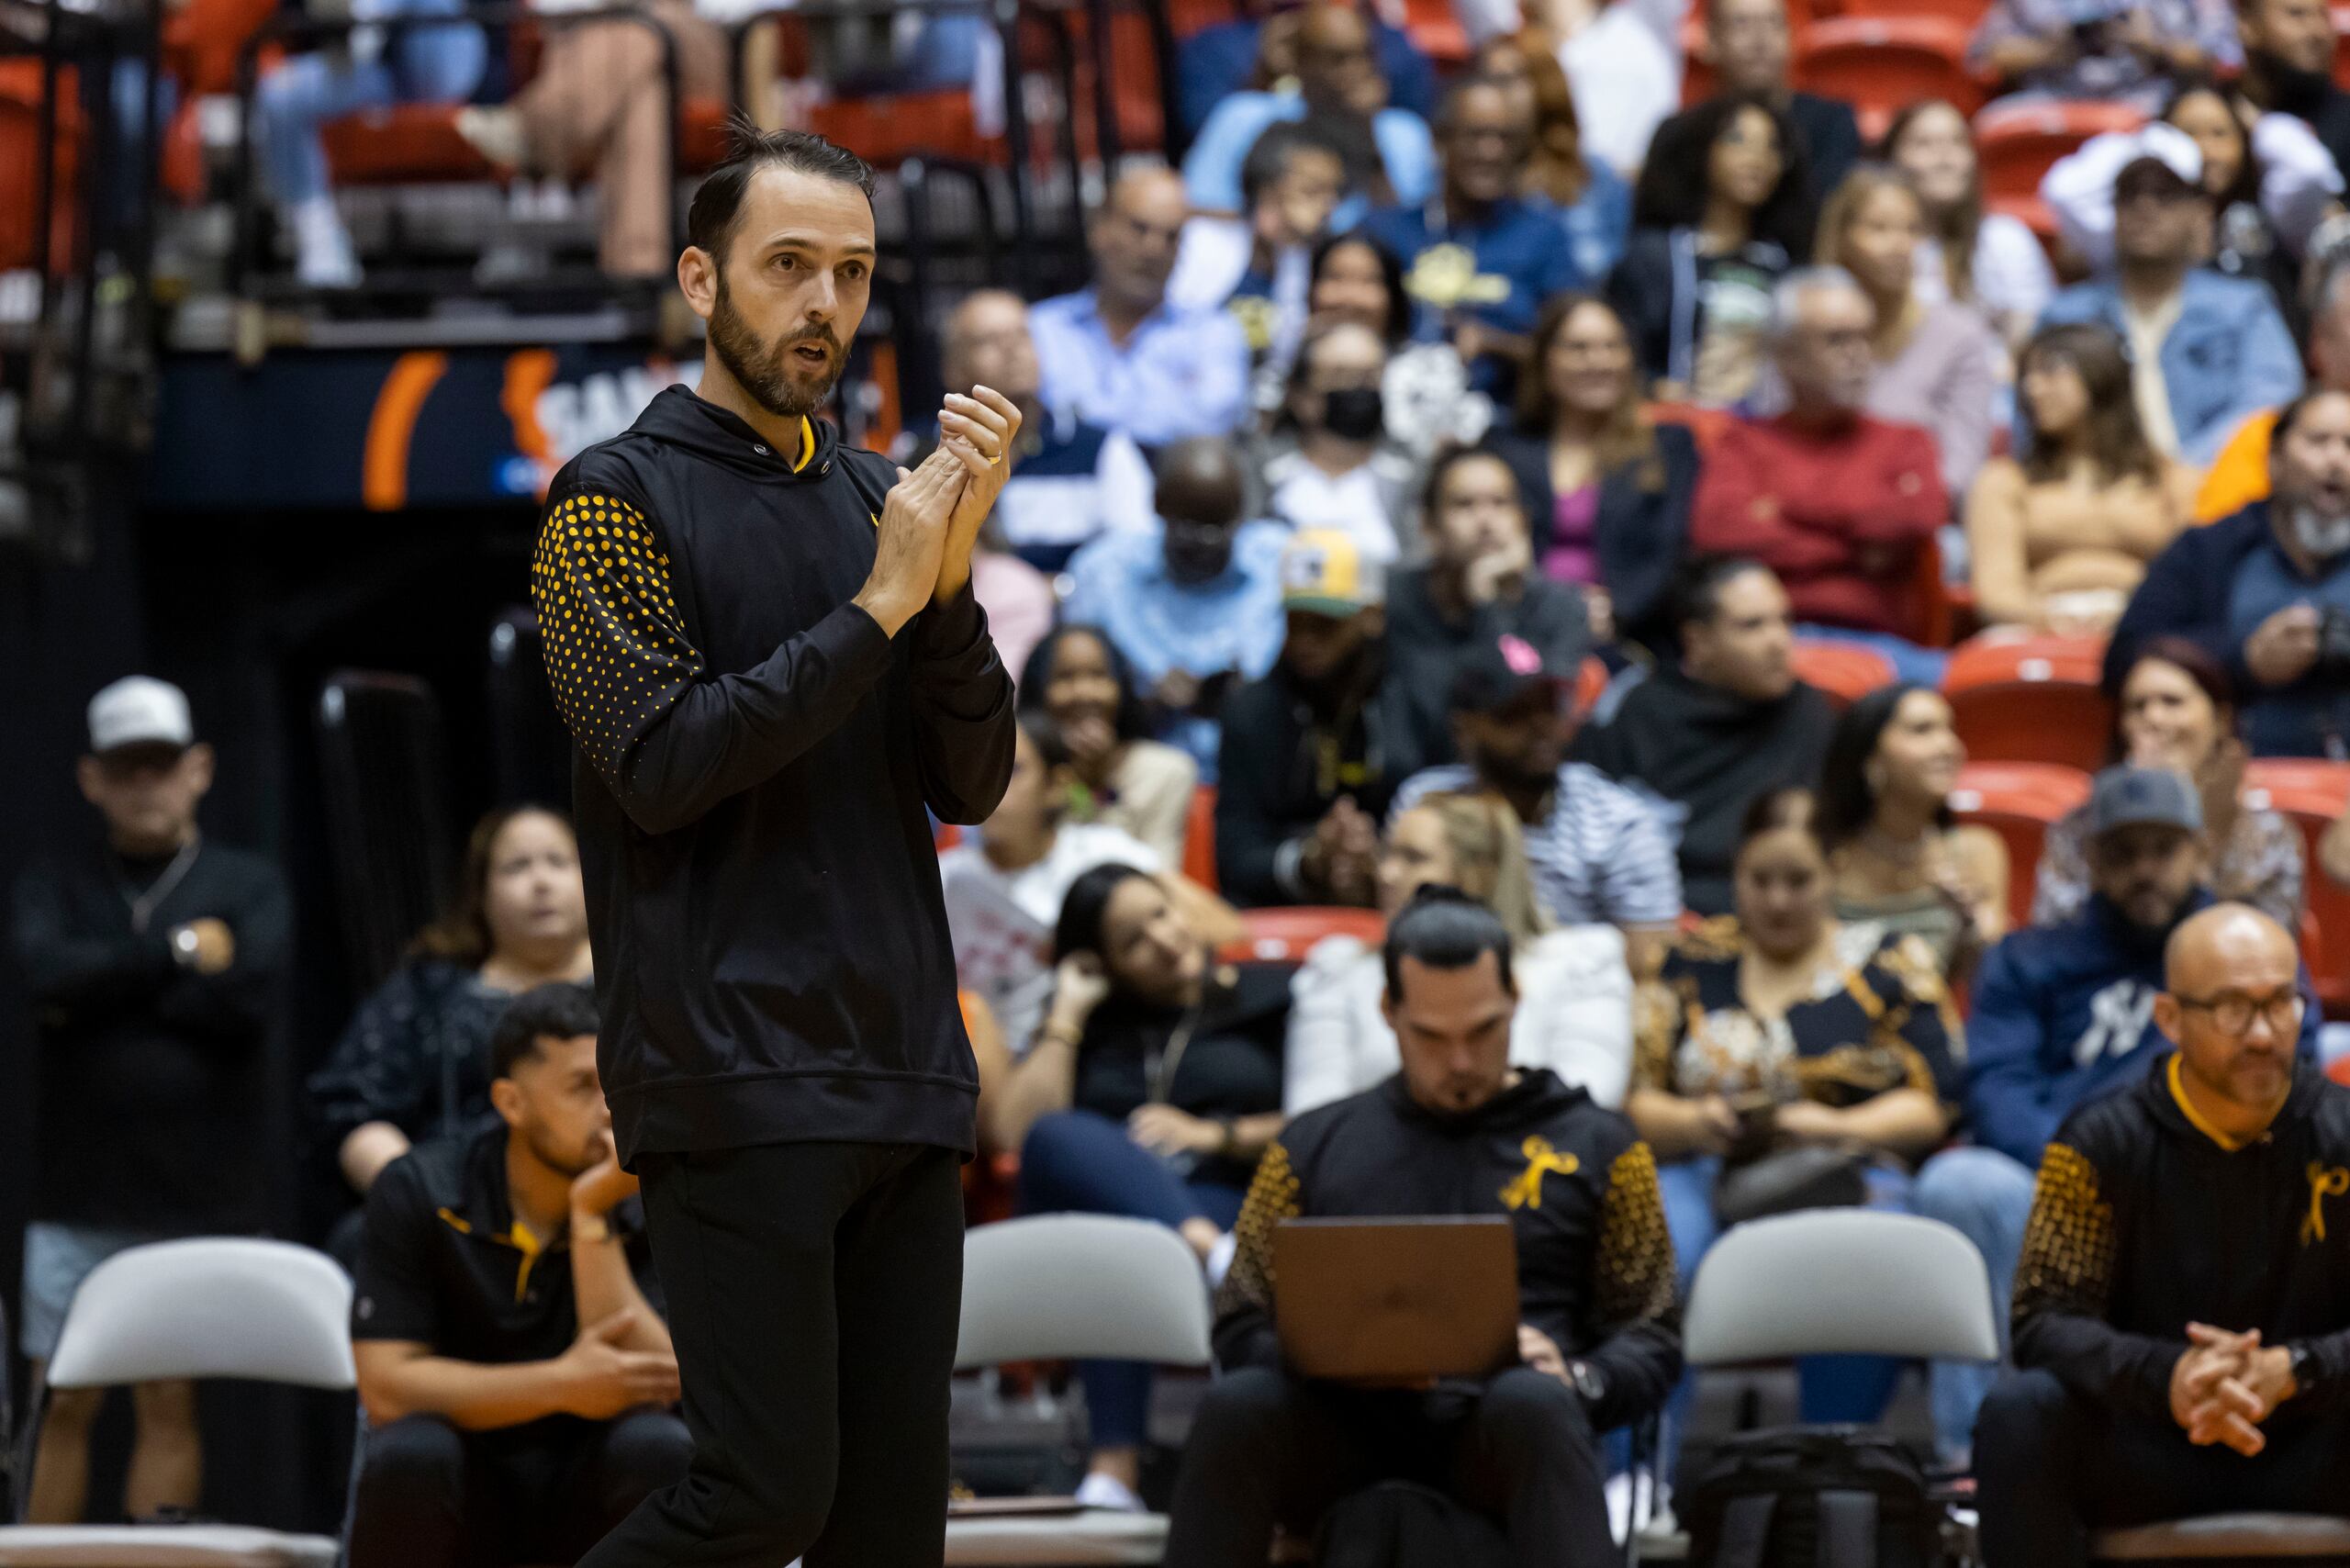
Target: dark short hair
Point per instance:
(1043, 734)
(1447, 108)
(1696, 593)
(2291, 414)
(718, 200)
(1444, 928)
(560, 1010)
(1269, 156)
(1790, 806)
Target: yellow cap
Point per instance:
(1326, 571)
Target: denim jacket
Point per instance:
(2228, 357)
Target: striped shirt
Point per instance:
(1601, 856)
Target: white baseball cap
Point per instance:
(138, 710)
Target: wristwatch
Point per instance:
(2304, 1367)
(1589, 1382)
(185, 946)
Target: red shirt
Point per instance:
(1839, 516)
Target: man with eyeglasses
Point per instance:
(1122, 355)
(2066, 1013)
(2182, 1309)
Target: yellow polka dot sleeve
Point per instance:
(2064, 1284)
(1244, 1303)
(1635, 1313)
(617, 653)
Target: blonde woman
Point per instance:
(1575, 1014)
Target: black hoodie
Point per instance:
(2145, 1221)
(754, 755)
(1594, 1264)
(1712, 754)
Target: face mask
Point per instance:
(1354, 413)
(2323, 537)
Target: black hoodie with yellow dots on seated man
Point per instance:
(754, 759)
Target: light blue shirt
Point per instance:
(1183, 372)
(1212, 169)
(1233, 621)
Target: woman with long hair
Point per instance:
(2245, 187)
(1608, 489)
(2059, 536)
(1077, 678)
(1900, 861)
(2178, 711)
(414, 1062)
(1989, 259)
(1933, 357)
(1717, 220)
(1781, 1028)
(1151, 1090)
(1574, 1010)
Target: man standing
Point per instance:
(2258, 592)
(2062, 1014)
(1726, 726)
(1313, 751)
(155, 958)
(2181, 1308)
(769, 656)
(1121, 354)
(1457, 1131)
(514, 1368)
(1838, 503)
(1194, 603)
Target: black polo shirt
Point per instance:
(444, 1264)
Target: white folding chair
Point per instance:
(1075, 1287)
(211, 1307)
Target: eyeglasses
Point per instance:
(2232, 1011)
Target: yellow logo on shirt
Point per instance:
(1526, 1191)
(1446, 277)
(2325, 1181)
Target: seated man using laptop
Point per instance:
(1456, 1131)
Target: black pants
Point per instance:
(432, 1497)
(2050, 1467)
(1272, 1449)
(813, 1290)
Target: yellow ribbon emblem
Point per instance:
(2323, 1183)
(1525, 1192)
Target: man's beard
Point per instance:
(765, 370)
(2323, 537)
(2291, 90)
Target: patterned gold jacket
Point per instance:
(1595, 1265)
(2147, 1219)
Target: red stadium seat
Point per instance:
(2341, 46)
(2031, 700)
(1286, 936)
(2017, 143)
(1845, 673)
(2314, 795)
(1591, 685)
(1966, 13)
(2019, 800)
(1199, 838)
(2339, 1070)
(1879, 64)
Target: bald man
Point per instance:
(1194, 603)
(1071, 480)
(2182, 1310)
(1120, 353)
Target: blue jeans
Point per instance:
(1909, 662)
(1082, 1162)
(424, 64)
(1832, 1388)
(1986, 1195)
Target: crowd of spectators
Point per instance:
(1422, 511)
